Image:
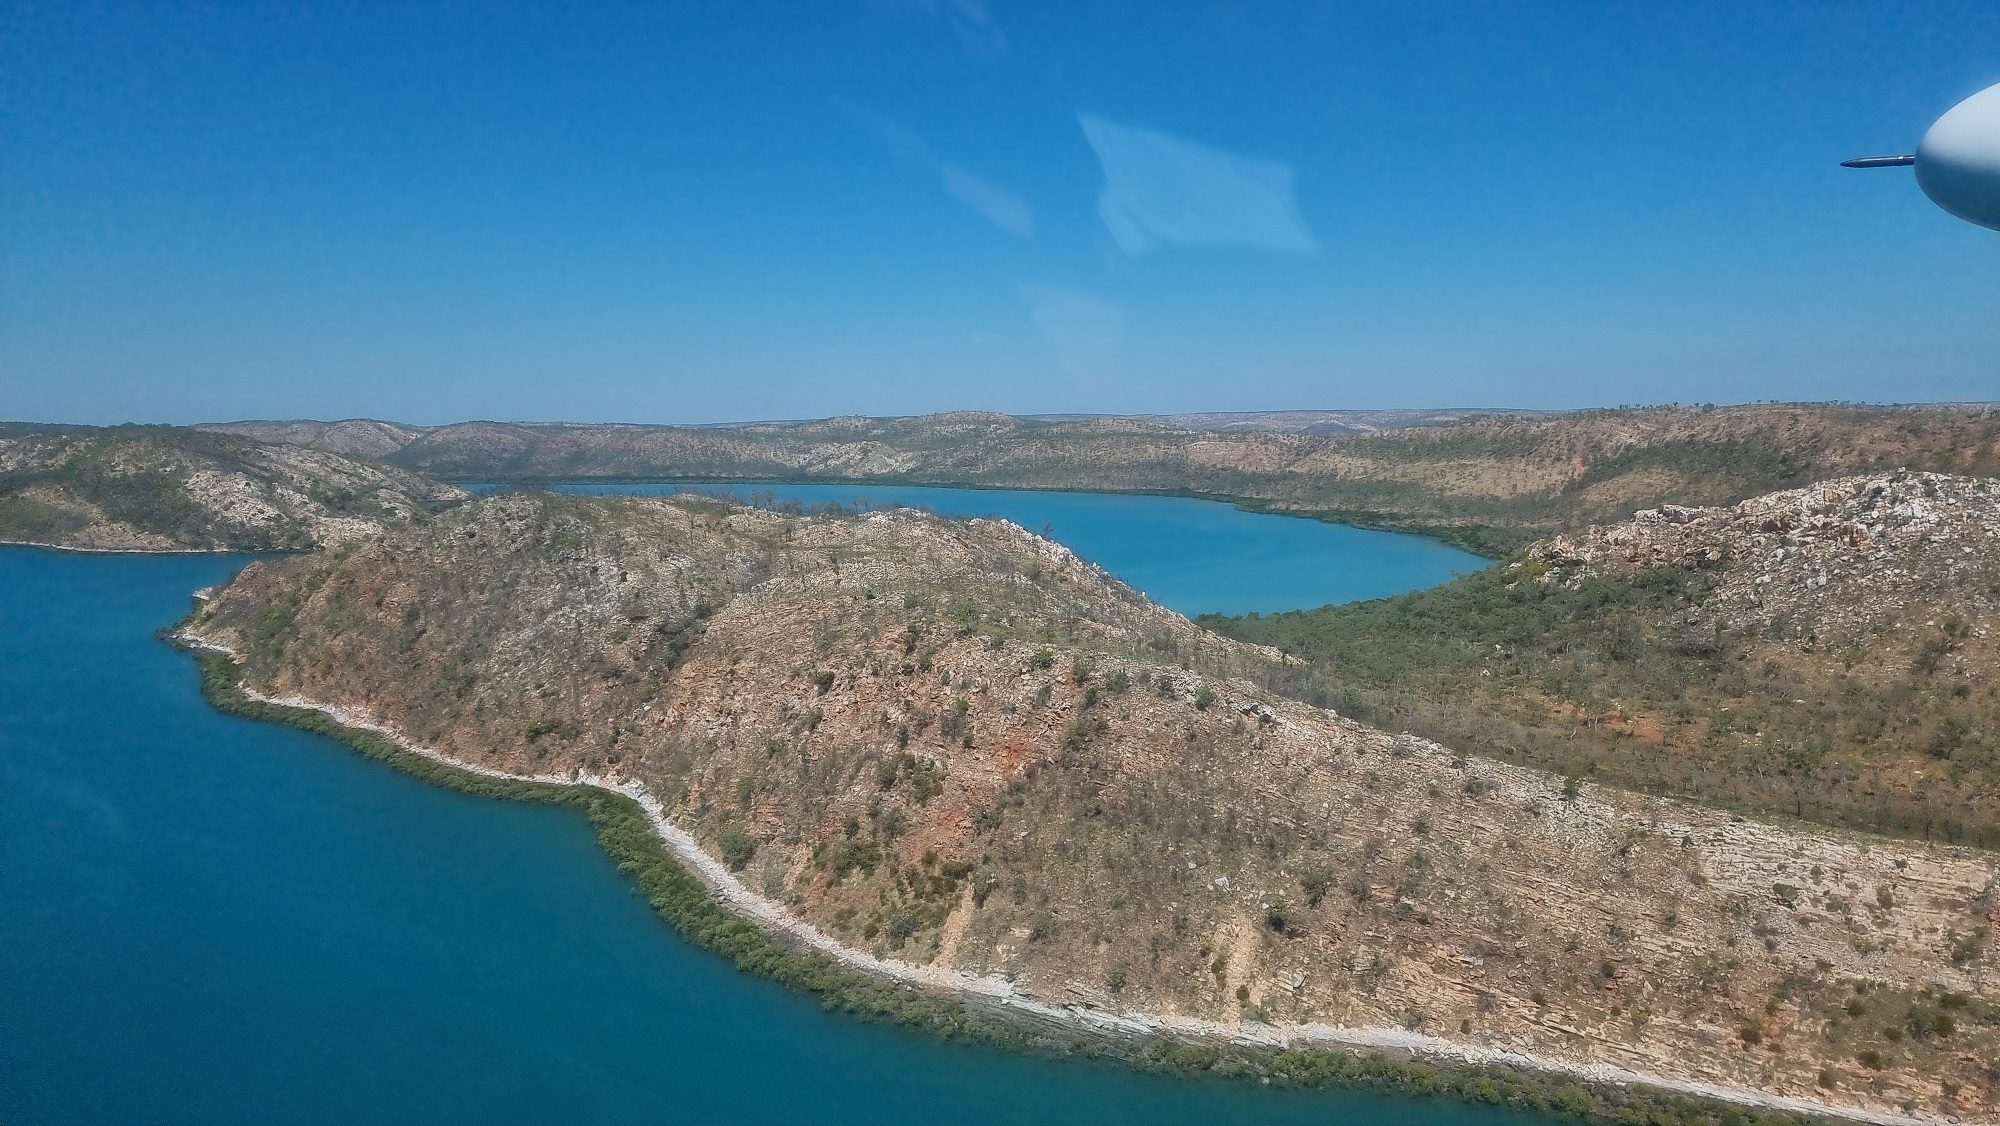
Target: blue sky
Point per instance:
(702, 212)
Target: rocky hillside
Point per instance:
(1491, 481)
(1830, 652)
(954, 744)
(1843, 561)
(161, 488)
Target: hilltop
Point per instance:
(164, 488)
(1825, 652)
(1492, 481)
(955, 745)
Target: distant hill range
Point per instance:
(1318, 424)
(168, 488)
(1490, 480)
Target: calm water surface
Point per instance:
(1195, 556)
(210, 920)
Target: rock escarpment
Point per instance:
(955, 744)
(163, 488)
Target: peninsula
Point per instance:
(954, 747)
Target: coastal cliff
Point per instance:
(165, 488)
(955, 746)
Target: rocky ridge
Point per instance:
(1843, 554)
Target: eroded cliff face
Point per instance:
(954, 743)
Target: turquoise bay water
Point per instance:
(1195, 556)
(210, 920)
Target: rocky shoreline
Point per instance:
(110, 550)
(1122, 1034)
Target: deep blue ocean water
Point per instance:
(206, 919)
(1195, 556)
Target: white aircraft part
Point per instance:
(1958, 163)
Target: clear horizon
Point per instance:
(898, 207)
(1052, 415)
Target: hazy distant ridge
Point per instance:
(1492, 480)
